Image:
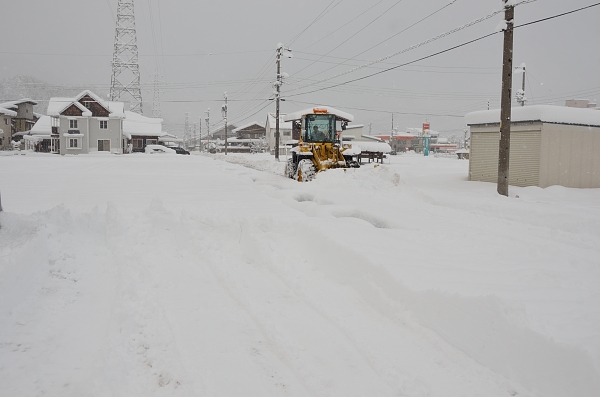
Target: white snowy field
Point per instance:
(149, 275)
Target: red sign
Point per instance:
(425, 127)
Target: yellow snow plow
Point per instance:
(320, 146)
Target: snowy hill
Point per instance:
(210, 276)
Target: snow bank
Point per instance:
(396, 279)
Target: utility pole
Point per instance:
(186, 131)
(200, 134)
(370, 127)
(278, 83)
(207, 119)
(195, 141)
(224, 113)
(392, 121)
(505, 110)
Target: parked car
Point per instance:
(180, 150)
(160, 149)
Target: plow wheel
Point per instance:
(306, 171)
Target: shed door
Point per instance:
(524, 169)
(483, 163)
(525, 158)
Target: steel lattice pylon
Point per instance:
(125, 63)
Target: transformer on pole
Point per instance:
(125, 79)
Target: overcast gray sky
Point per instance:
(70, 42)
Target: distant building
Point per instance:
(247, 138)
(6, 116)
(285, 132)
(140, 131)
(24, 117)
(86, 124)
(549, 145)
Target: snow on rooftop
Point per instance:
(136, 124)
(43, 126)
(543, 113)
(7, 112)
(351, 127)
(15, 104)
(247, 125)
(58, 105)
(298, 115)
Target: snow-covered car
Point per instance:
(180, 150)
(153, 149)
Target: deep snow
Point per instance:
(159, 275)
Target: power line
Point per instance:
(391, 37)
(321, 15)
(351, 37)
(448, 49)
(346, 23)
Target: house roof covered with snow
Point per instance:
(285, 125)
(8, 112)
(14, 104)
(320, 109)
(248, 125)
(58, 105)
(136, 124)
(539, 113)
(43, 126)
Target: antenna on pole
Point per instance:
(125, 79)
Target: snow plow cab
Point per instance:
(320, 145)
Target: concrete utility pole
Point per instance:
(278, 84)
(200, 134)
(224, 113)
(505, 109)
(207, 119)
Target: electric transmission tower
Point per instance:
(125, 78)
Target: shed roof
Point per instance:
(539, 113)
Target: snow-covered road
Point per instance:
(210, 276)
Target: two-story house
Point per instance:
(23, 119)
(6, 116)
(86, 124)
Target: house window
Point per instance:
(103, 124)
(72, 123)
(287, 133)
(138, 143)
(151, 141)
(74, 143)
(6, 121)
(104, 145)
(87, 105)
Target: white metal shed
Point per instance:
(549, 145)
